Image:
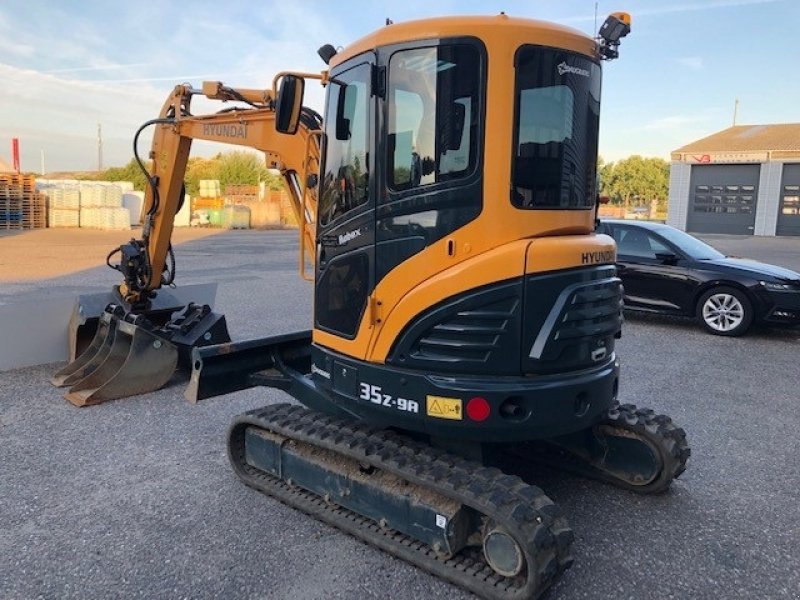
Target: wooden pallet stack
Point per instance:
(21, 206)
(241, 194)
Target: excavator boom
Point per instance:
(130, 341)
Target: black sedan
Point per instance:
(667, 271)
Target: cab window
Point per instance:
(432, 115)
(556, 129)
(346, 178)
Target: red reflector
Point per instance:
(478, 409)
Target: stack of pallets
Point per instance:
(21, 206)
(64, 203)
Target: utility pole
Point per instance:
(735, 111)
(99, 147)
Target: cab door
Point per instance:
(433, 96)
(346, 217)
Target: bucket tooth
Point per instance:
(136, 362)
(91, 358)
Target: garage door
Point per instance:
(789, 213)
(722, 199)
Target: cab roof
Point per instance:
(499, 27)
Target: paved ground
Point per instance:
(134, 498)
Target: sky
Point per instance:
(68, 66)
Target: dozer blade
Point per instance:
(92, 357)
(130, 361)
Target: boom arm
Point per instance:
(296, 156)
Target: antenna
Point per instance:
(594, 31)
(42, 162)
(735, 111)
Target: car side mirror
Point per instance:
(667, 258)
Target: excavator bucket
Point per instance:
(130, 360)
(133, 354)
(89, 308)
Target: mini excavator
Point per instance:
(465, 311)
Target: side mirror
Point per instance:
(342, 129)
(668, 258)
(342, 122)
(289, 102)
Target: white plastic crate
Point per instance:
(133, 202)
(60, 196)
(105, 218)
(112, 196)
(210, 188)
(63, 218)
(183, 217)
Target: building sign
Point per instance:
(721, 157)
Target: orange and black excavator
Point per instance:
(465, 311)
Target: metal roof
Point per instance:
(784, 137)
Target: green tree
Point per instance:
(197, 169)
(230, 168)
(603, 173)
(636, 181)
(130, 172)
(240, 168)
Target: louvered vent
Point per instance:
(469, 335)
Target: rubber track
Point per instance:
(524, 510)
(659, 430)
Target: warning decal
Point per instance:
(444, 408)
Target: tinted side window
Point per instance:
(637, 243)
(344, 185)
(604, 228)
(557, 120)
(433, 115)
(342, 294)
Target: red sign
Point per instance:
(15, 153)
(703, 158)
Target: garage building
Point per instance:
(743, 180)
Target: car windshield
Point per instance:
(689, 245)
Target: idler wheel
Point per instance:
(502, 552)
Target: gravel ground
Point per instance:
(135, 499)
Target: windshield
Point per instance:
(344, 185)
(557, 120)
(690, 245)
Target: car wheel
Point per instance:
(725, 311)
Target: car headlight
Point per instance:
(777, 287)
